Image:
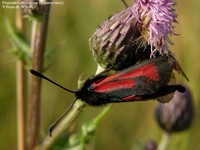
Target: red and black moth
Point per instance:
(145, 80)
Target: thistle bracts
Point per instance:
(115, 42)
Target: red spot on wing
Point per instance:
(111, 86)
(132, 98)
(149, 71)
(109, 78)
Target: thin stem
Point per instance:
(21, 126)
(63, 125)
(103, 113)
(66, 122)
(164, 141)
(39, 34)
(20, 87)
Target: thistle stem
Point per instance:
(63, 125)
(164, 141)
(20, 104)
(39, 34)
(66, 122)
(20, 87)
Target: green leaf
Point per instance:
(23, 50)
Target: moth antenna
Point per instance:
(52, 126)
(44, 77)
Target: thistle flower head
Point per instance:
(139, 32)
(177, 115)
(114, 43)
(154, 18)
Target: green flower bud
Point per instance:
(116, 43)
(177, 115)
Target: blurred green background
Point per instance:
(128, 124)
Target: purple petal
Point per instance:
(156, 17)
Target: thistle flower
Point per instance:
(154, 19)
(114, 43)
(139, 32)
(177, 115)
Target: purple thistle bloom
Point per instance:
(154, 18)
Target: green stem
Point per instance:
(104, 112)
(89, 128)
(63, 125)
(164, 141)
(66, 122)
